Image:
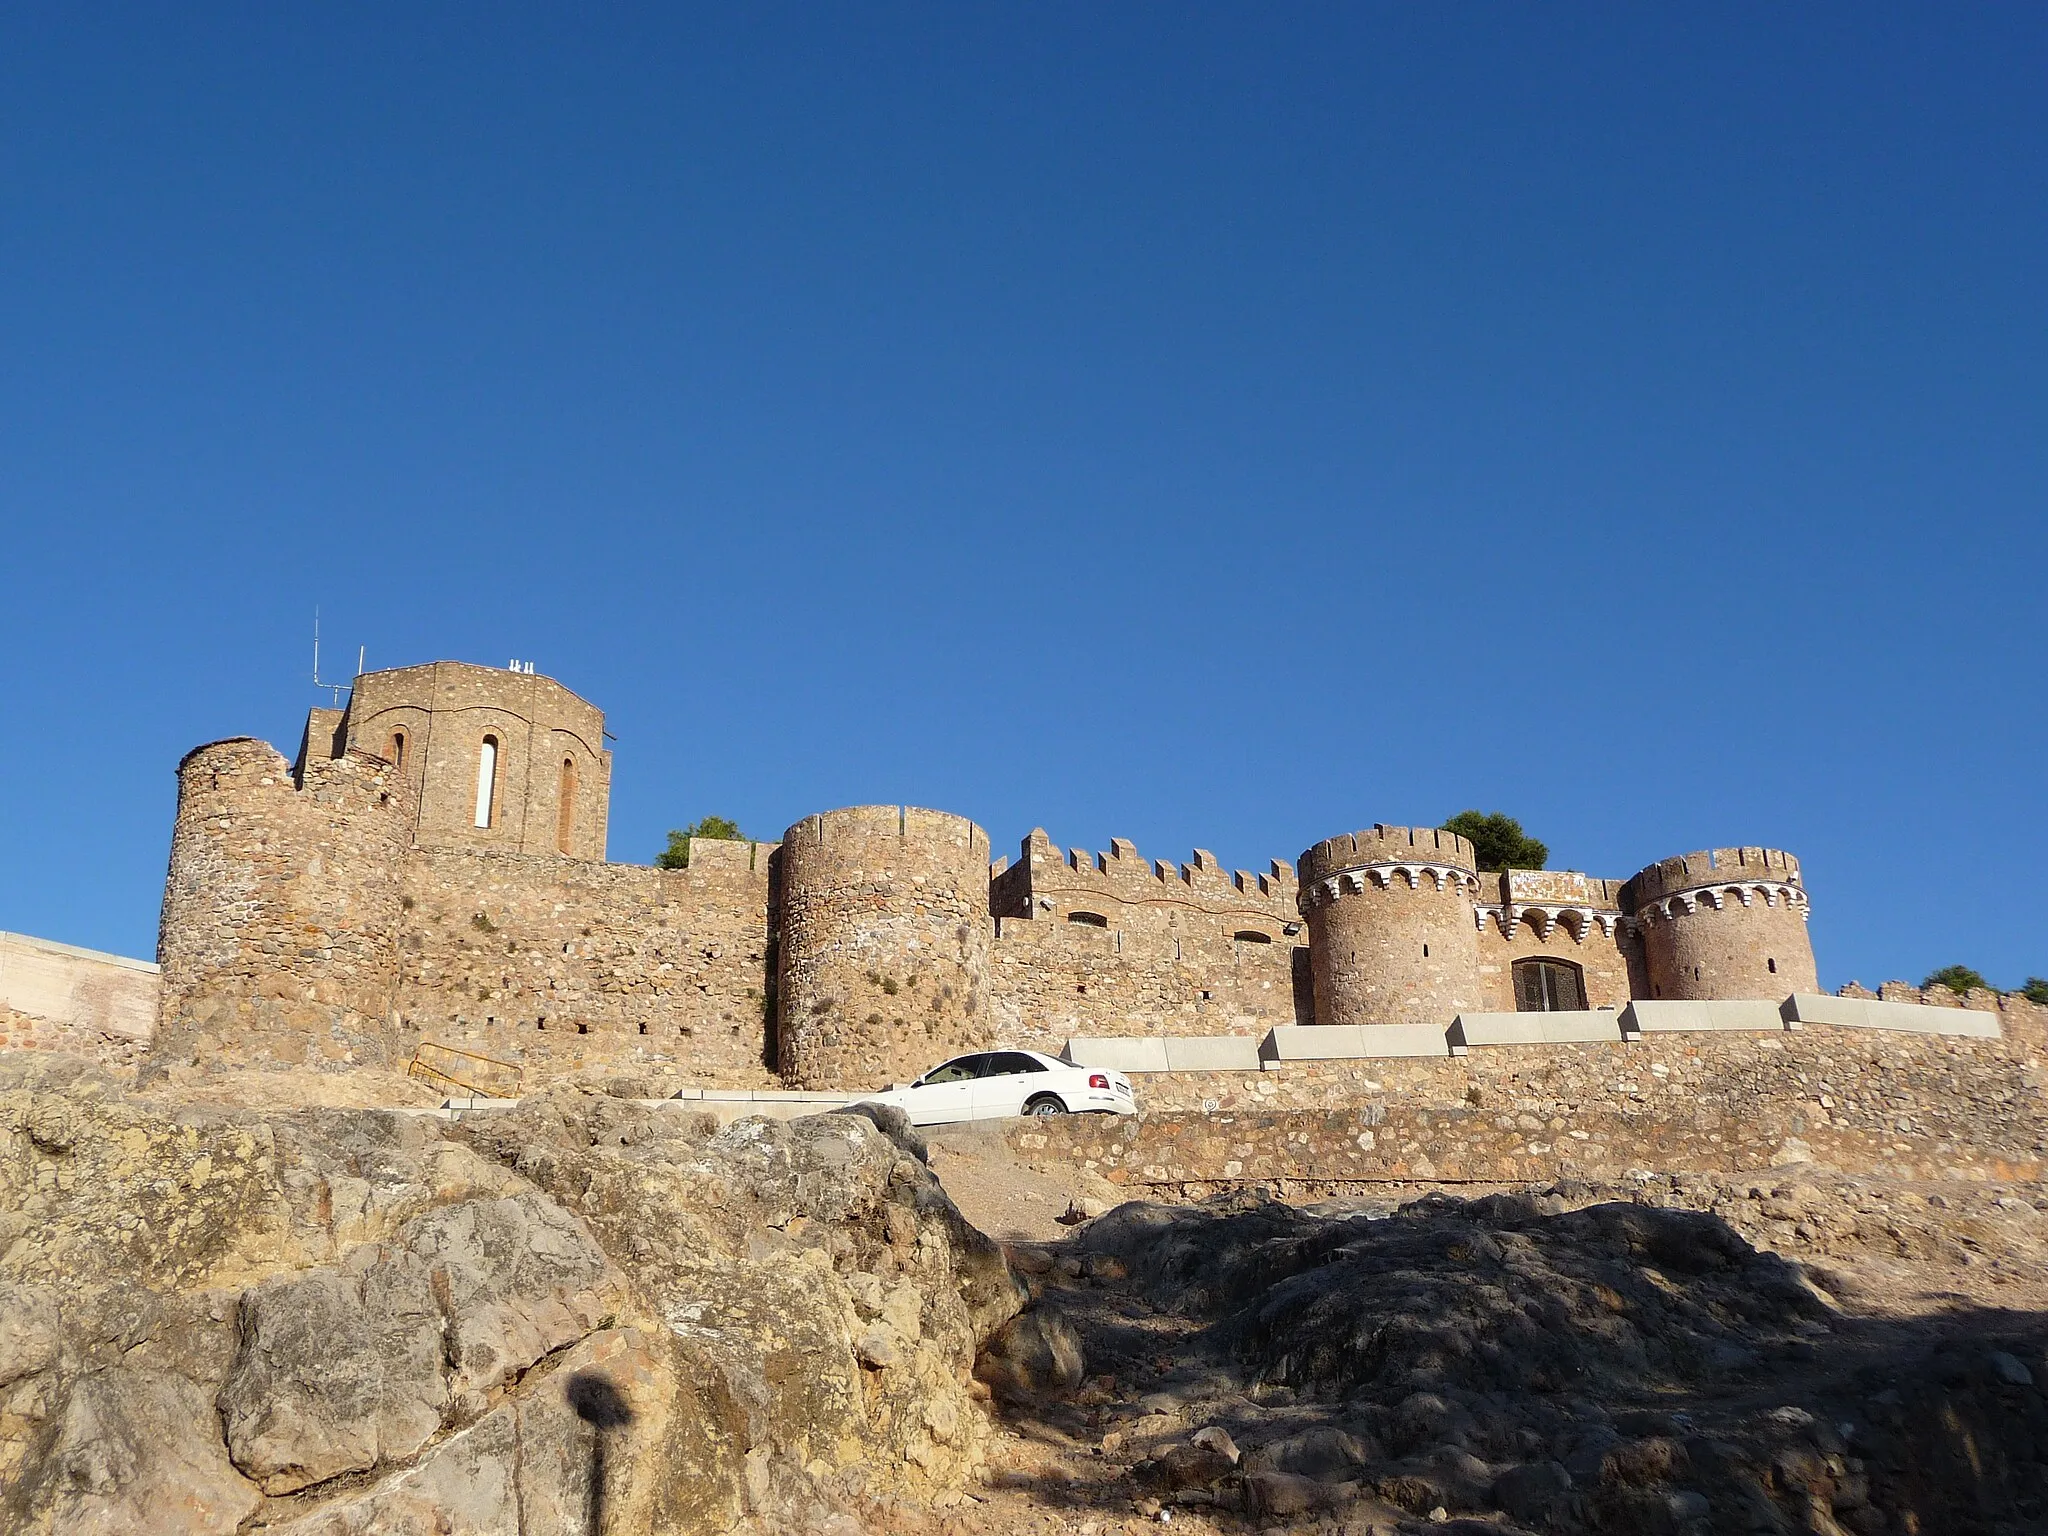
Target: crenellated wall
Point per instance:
(343, 911)
(1113, 943)
(559, 964)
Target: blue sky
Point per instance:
(1210, 426)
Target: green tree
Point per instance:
(712, 828)
(1498, 840)
(1957, 978)
(2035, 989)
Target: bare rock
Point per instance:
(337, 1372)
(134, 1451)
(1035, 1357)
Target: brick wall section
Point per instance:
(1858, 1099)
(1392, 947)
(558, 964)
(883, 945)
(278, 944)
(1175, 953)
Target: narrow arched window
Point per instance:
(1088, 919)
(565, 812)
(1252, 936)
(486, 780)
(398, 749)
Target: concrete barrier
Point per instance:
(1905, 1018)
(1119, 1053)
(1470, 1029)
(1340, 1042)
(1212, 1053)
(1662, 1018)
(1165, 1053)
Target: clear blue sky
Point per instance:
(1210, 426)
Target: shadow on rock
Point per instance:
(1617, 1367)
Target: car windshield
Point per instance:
(958, 1070)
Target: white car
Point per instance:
(993, 1085)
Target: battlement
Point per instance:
(855, 827)
(1122, 874)
(1382, 844)
(1708, 869)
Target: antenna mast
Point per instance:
(317, 683)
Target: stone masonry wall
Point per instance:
(1855, 1099)
(1181, 949)
(32, 1032)
(281, 911)
(558, 964)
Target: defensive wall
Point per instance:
(428, 879)
(1089, 943)
(1902, 1100)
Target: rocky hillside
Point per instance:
(584, 1316)
(1582, 1359)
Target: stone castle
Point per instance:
(430, 875)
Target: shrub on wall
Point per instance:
(712, 828)
(1498, 841)
(1957, 978)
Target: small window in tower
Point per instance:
(1773, 965)
(1252, 936)
(486, 781)
(1425, 951)
(398, 749)
(565, 812)
(1088, 919)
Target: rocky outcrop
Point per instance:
(587, 1314)
(1578, 1359)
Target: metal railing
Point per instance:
(451, 1072)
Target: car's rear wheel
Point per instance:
(1044, 1105)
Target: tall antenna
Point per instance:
(317, 683)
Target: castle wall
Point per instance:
(555, 964)
(1174, 953)
(884, 945)
(1723, 923)
(444, 711)
(1913, 1105)
(281, 911)
(1392, 934)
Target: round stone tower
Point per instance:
(278, 943)
(1392, 938)
(882, 964)
(1723, 923)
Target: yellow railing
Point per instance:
(456, 1072)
